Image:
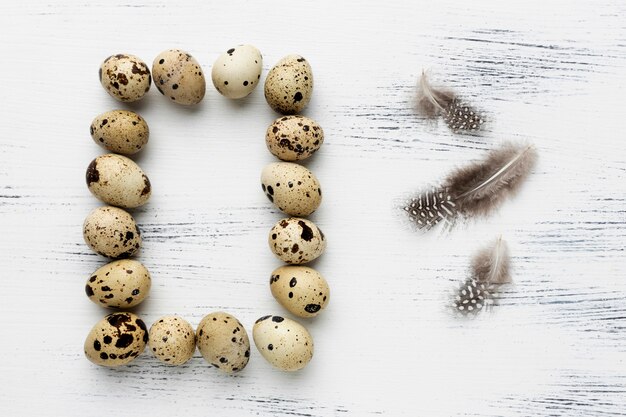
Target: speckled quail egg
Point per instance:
(120, 284)
(125, 77)
(179, 77)
(300, 289)
(289, 85)
(223, 342)
(296, 241)
(116, 340)
(283, 342)
(294, 138)
(172, 340)
(237, 72)
(118, 180)
(292, 188)
(120, 131)
(110, 231)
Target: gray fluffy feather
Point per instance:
(459, 116)
(474, 190)
(432, 102)
(491, 264)
(489, 270)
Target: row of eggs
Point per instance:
(235, 74)
(125, 283)
(289, 138)
(222, 340)
(118, 180)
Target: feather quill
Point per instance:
(489, 270)
(459, 116)
(474, 190)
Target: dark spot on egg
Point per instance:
(307, 232)
(92, 173)
(312, 308)
(262, 318)
(147, 187)
(124, 340)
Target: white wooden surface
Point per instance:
(548, 72)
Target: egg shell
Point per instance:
(118, 180)
(283, 342)
(292, 188)
(237, 72)
(120, 284)
(125, 77)
(300, 289)
(294, 138)
(289, 85)
(116, 340)
(179, 77)
(112, 232)
(120, 131)
(172, 340)
(223, 342)
(296, 241)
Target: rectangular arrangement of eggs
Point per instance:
(116, 180)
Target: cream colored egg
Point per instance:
(300, 289)
(237, 72)
(289, 85)
(120, 131)
(294, 138)
(172, 340)
(116, 340)
(118, 180)
(292, 188)
(120, 284)
(296, 241)
(110, 231)
(125, 77)
(283, 342)
(179, 77)
(223, 342)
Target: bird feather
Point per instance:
(490, 268)
(440, 102)
(432, 102)
(474, 190)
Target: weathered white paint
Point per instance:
(547, 72)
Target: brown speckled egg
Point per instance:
(289, 85)
(120, 131)
(296, 241)
(292, 188)
(237, 72)
(294, 138)
(116, 340)
(125, 77)
(119, 284)
(172, 340)
(283, 342)
(300, 289)
(118, 180)
(179, 77)
(223, 342)
(110, 231)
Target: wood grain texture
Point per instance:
(548, 72)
